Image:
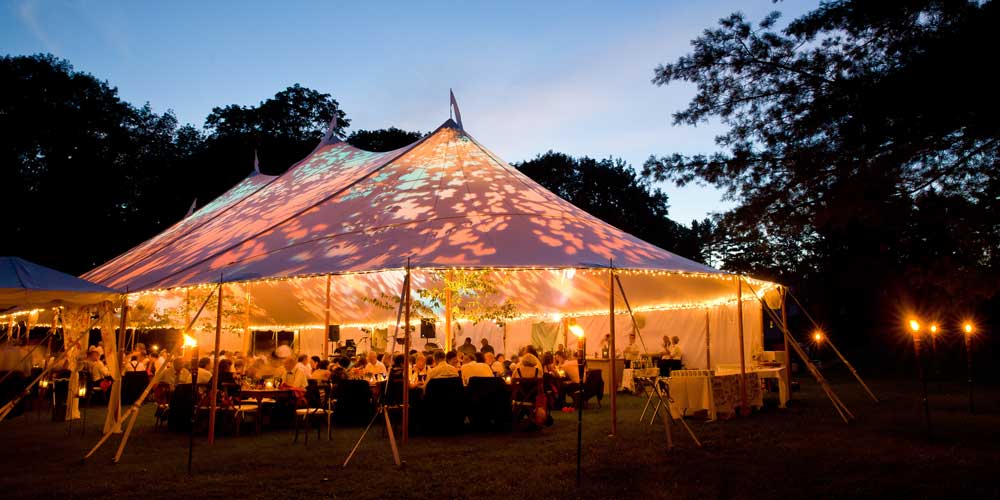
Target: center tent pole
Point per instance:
(743, 357)
(406, 357)
(326, 321)
(611, 345)
(213, 405)
(447, 312)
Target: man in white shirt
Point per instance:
(374, 366)
(675, 350)
(98, 370)
(442, 369)
(204, 374)
(295, 374)
(303, 364)
(476, 368)
(177, 373)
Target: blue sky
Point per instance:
(529, 76)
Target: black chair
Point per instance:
(133, 384)
(524, 395)
(593, 386)
(354, 404)
(181, 407)
(443, 406)
(319, 405)
(488, 404)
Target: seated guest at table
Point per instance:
(375, 367)
(396, 370)
(549, 364)
(498, 366)
(442, 368)
(476, 368)
(98, 370)
(204, 374)
(359, 368)
(528, 367)
(491, 361)
(418, 370)
(313, 363)
(283, 351)
(177, 373)
(303, 364)
(322, 371)
(571, 367)
(226, 375)
(452, 359)
(239, 368)
(339, 369)
(257, 369)
(295, 375)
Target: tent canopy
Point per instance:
(26, 285)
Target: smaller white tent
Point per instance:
(26, 285)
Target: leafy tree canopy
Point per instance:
(862, 147)
(381, 140)
(611, 190)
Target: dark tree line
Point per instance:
(87, 176)
(862, 149)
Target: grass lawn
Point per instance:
(804, 451)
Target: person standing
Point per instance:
(486, 348)
(467, 347)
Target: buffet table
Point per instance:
(719, 394)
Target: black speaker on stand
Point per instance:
(427, 328)
(333, 333)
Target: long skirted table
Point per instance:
(719, 394)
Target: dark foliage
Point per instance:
(611, 190)
(862, 148)
(381, 140)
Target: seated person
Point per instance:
(528, 367)
(340, 369)
(304, 364)
(418, 370)
(322, 371)
(98, 370)
(177, 373)
(295, 376)
(204, 374)
(374, 366)
(476, 368)
(442, 367)
(226, 372)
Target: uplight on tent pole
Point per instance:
(914, 325)
(968, 329)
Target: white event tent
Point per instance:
(305, 249)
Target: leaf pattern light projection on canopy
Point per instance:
(445, 201)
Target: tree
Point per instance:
(844, 128)
(381, 140)
(611, 190)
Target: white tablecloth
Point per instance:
(629, 375)
(719, 394)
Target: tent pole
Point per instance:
(447, 312)
(212, 403)
(743, 358)
(635, 326)
(708, 340)
(406, 357)
(837, 351)
(788, 353)
(121, 350)
(248, 343)
(613, 389)
(839, 405)
(326, 321)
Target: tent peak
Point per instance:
(330, 137)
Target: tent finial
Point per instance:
(256, 162)
(331, 131)
(454, 107)
(191, 210)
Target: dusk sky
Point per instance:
(529, 76)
